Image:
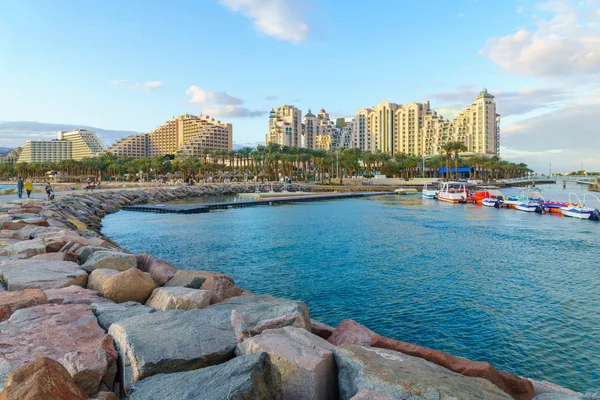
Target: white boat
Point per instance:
(529, 206)
(454, 192)
(406, 191)
(428, 192)
(490, 202)
(579, 210)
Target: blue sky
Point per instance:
(133, 65)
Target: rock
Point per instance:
(44, 379)
(247, 377)
(540, 387)
(74, 295)
(130, 285)
(111, 260)
(304, 361)
(31, 274)
(175, 341)
(220, 285)
(106, 396)
(56, 257)
(12, 301)
(13, 225)
(320, 329)
(187, 278)
(370, 395)
(159, 270)
(178, 298)
(28, 248)
(98, 277)
(109, 313)
(399, 376)
(350, 332)
(57, 241)
(562, 396)
(83, 253)
(68, 334)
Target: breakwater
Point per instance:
(140, 328)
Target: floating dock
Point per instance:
(207, 207)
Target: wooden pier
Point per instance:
(206, 207)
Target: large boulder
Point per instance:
(74, 295)
(27, 248)
(159, 270)
(304, 361)
(111, 260)
(32, 274)
(109, 312)
(56, 257)
(320, 329)
(68, 334)
(12, 301)
(83, 253)
(40, 379)
(246, 377)
(130, 285)
(350, 332)
(57, 241)
(562, 396)
(98, 277)
(178, 298)
(220, 285)
(175, 341)
(400, 376)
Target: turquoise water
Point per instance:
(519, 290)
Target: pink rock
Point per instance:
(74, 295)
(56, 242)
(221, 287)
(12, 301)
(56, 257)
(159, 270)
(351, 332)
(320, 329)
(68, 334)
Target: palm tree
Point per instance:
(458, 147)
(448, 149)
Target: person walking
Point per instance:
(28, 188)
(48, 188)
(20, 187)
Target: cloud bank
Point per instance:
(220, 103)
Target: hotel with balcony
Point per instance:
(73, 145)
(186, 135)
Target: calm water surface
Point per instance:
(519, 290)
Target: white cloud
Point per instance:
(220, 103)
(118, 82)
(566, 44)
(150, 85)
(277, 18)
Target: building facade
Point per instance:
(185, 134)
(285, 126)
(12, 156)
(73, 145)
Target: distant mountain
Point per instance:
(15, 133)
(4, 150)
(237, 146)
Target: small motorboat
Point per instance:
(491, 202)
(405, 191)
(579, 210)
(530, 206)
(479, 196)
(454, 192)
(430, 190)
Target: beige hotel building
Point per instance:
(412, 128)
(186, 134)
(73, 145)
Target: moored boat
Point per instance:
(454, 192)
(406, 191)
(491, 202)
(430, 190)
(579, 210)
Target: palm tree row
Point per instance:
(273, 162)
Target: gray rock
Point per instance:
(247, 377)
(86, 251)
(178, 298)
(110, 260)
(540, 387)
(564, 396)
(38, 274)
(400, 376)
(28, 248)
(304, 361)
(187, 278)
(175, 341)
(109, 313)
(74, 295)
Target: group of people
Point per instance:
(91, 185)
(28, 187)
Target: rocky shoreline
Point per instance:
(82, 318)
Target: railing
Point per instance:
(570, 178)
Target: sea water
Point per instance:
(520, 290)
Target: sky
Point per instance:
(131, 66)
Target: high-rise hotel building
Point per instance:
(186, 134)
(412, 128)
(73, 145)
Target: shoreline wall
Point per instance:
(132, 316)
